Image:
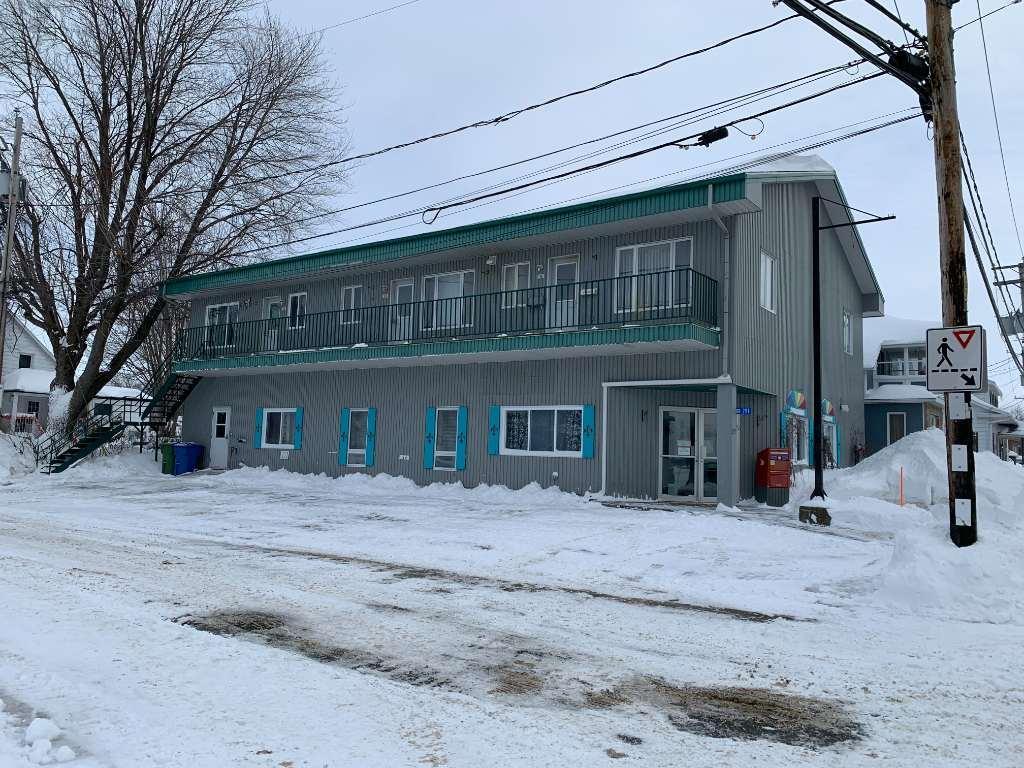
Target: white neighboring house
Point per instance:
(29, 369)
(896, 402)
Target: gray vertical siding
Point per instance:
(403, 395)
(770, 355)
(596, 259)
(773, 352)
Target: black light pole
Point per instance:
(816, 230)
(819, 469)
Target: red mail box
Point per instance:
(773, 468)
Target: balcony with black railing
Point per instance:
(675, 297)
(902, 368)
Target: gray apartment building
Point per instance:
(644, 346)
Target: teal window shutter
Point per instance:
(783, 437)
(343, 437)
(257, 433)
(460, 438)
(371, 435)
(429, 437)
(494, 431)
(839, 448)
(589, 429)
(297, 433)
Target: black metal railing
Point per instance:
(901, 368)
(656, 298)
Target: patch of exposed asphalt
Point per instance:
(726, 712)
(401, 571)
(280, 631)
(737, 713)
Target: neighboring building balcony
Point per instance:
(670, 310)
(901, 368)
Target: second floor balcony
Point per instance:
(901, 368)
(683, 301)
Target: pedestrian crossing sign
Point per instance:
(957, 359)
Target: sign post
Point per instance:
(957, 367)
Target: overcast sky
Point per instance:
(436, 64)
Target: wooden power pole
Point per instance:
(14, 182)
(963, 519)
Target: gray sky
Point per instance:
(436, 64)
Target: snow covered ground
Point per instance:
(268, 619)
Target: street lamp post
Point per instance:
(816, 230)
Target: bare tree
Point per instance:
(163, 138)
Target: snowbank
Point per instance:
(925, 571)
(15, 457)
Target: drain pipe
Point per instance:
(726, 283)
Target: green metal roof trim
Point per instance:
(638, 334)
(678, 197)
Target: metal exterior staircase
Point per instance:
(158, 406)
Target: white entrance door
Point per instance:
(219, 438)
(402, 296)
(273, 311)
(563, 292)
(688, 454)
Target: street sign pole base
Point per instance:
(963, 535)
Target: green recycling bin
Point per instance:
(167, 458)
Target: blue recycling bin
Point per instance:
(186, 457)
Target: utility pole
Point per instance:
(933, 79)
(14, 185)
(952, 256)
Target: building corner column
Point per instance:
(728, 445)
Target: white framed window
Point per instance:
(444, 294)
(358, 429)
(446, 438)
(33, 407)
(351, 302)
(24, 361)
(514, 277)
(279, 428)
(895, 427)
(296, 311)
(555, 430)
(767, 283)
(847, 332)
(273, 307)
(653, 280)
(220, 320)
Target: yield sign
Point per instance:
(964, 337)
(956, 359)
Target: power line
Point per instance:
(974, 195)
(664, 145)
(735, 169)
(915, 113)
(986, 15)
(695, 114)
(999, 133)
(353, 20)
(505, 117)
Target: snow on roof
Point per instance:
(29, 380)
(112, 391)
(899, 393)
(38, 380)
(892, 331)
(795, 164)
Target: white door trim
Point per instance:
(552, 287)
(700, 415)
(227, 434)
